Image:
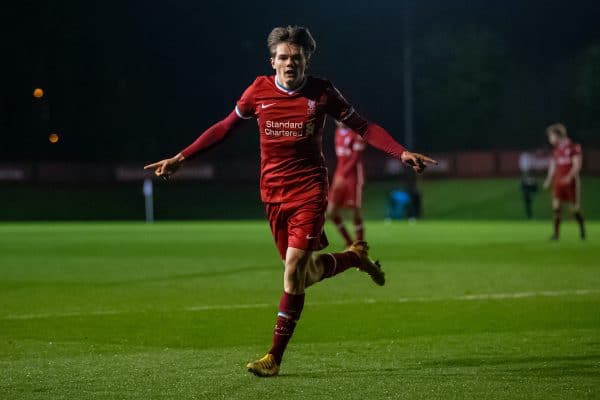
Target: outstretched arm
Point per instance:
(210, 138)
(339, 108)
(379, 138)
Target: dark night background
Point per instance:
(133, 81)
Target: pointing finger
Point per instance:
(153, 165)
(429, 160)
(426, 159)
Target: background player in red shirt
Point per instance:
(563, 174)
(348, 179)
(290, 109)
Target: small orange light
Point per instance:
(53, 138)
(38, 93)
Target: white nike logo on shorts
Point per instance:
(311, 237)
(267, 105)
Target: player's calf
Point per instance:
(328, 265)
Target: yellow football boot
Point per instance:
(264, 367)
(373, 268)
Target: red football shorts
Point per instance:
(568, 193)
(348, 195)
(298, 224)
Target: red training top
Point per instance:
(290, 124)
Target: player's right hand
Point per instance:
(167, 167)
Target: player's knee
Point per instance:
(295, 267)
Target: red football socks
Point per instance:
(290, 308)
(290, 305)
(336, 263)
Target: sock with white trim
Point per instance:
(336, 263)
(290, 308)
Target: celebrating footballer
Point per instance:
(563, 176)
(290, 108)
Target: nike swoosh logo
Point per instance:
(267, 105)
(311, 237)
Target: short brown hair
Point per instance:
(298, 35)
(558, 128)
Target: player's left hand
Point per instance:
(167, 167)
(417, 161)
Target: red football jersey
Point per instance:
(349, 146)
(290, 126)
(563, 154)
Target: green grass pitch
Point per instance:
(481, 310)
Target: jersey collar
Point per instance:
(287, 91)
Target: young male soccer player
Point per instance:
(291, 108)
(563, 174)
(348, 179)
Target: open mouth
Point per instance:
(291, 74)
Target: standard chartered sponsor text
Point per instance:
(287, 128)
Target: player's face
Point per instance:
(289, 64)
(553, 138)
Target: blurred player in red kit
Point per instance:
(563, 175)
(290, 108)
(348, 179)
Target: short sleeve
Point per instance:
(245, 106)
(335, 104)
(576, 149)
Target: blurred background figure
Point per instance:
(406, 200)
(529, 184)
(563, 176)
(348, 180)
(148, 191)
(398, 203)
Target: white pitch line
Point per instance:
(216, 307)
(63, 314)
(211, 307)
(501, 296)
